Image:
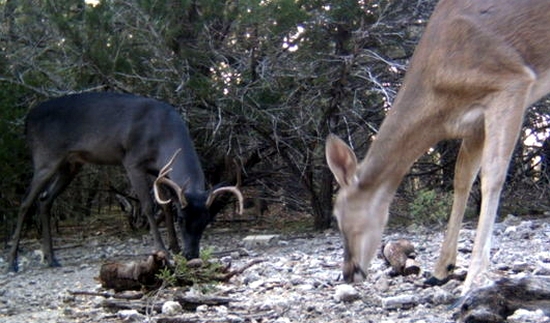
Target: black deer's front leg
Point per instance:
(167, 212)
(140, 184)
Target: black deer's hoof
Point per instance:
(433, 281)
(53, 263)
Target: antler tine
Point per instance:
(167, 168)
(162, 179)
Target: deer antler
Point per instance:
(162, 179)
(233, 189)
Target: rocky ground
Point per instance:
(297, 281)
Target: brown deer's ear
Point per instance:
(341, 160)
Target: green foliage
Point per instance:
(14, 165)
(430, 206)
(260, 81)
(167, 276)
(183, 275)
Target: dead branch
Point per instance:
(192, 302)
(229, 275)
(187, 302)
(128, 296)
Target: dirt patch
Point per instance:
(298, 280)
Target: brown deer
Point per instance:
(141, 134)
(477, 68)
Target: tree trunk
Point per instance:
(321, 201)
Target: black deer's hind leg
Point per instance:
(56, 186)
(41, 183)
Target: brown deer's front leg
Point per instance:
(466, 170)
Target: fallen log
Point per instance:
(134, 275)
(494, 303)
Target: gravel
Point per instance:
(298, 280)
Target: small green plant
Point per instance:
(207, 272)
(167, 276)
(430, 206)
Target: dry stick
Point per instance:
(107, 294)
(229, 275)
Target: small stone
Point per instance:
(305, 287)
(296, 280)
(519, 267)
(282, 243)
(401, 301)
(171, 308)
(235, 319)
(544, 256)
(441, 296)
(221, 309)
(542, 269)
(523, 315)
(260, 240)
(511, 229)
(202, 308)
(382, 284)
(195, 263)
(511, 219)
(130, 316)
(345, 293)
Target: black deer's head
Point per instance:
(196, 209)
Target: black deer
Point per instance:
(139, 133)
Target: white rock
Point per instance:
(221, 309)
(542, 269)
(382, 284)
(305, 287)
(401, 301)
(522, 315)
(260, 240)
(256, 284)
(202, 308)
(345, 293)
(511, 229)
(171, 308)
(544, 256)
(130, 316)
(511, 219)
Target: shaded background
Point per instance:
(261, 83)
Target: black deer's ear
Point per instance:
(341, 160)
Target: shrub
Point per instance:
(430, 206)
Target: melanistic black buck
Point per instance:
(147, 137)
